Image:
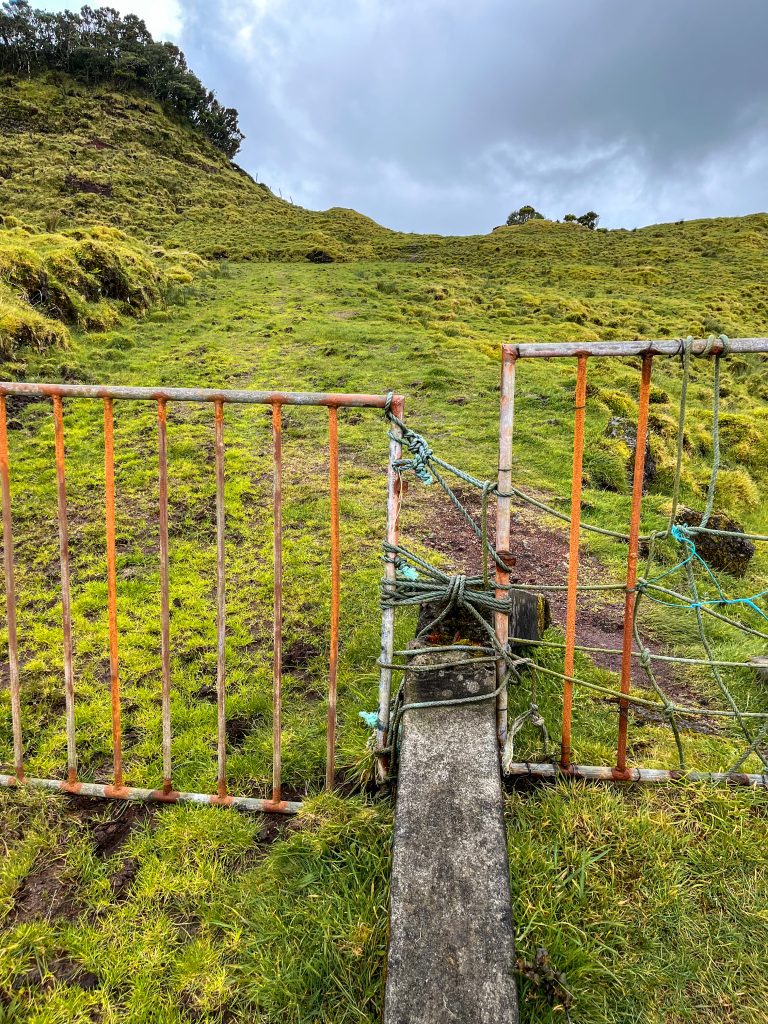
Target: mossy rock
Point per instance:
(731, 553)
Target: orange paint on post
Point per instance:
(109, 505)
(333, 662)
(634, 538)
(573, 556)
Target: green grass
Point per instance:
(652, 902)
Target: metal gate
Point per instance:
(218, 400)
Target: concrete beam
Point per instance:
(451, 951)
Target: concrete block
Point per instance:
(451, 952)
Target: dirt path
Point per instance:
(541, 559)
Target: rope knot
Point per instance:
(455, 591)
(421, 452)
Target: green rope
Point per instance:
(418, 582)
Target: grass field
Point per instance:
(653, 903)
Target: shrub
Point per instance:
(523, 215)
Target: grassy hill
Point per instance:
(652, 902)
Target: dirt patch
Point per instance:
(84, 185)
(45, 895)
(540, 556)
(61, 970)
(110, 834)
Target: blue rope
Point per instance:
(682, 536)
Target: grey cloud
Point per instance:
(441, 115)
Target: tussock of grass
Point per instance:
(86, 278)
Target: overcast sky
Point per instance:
(443, 115)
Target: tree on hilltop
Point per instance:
(523, 215)
(99, 45)
(589, 220)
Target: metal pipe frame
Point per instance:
(161, 396)
(337, 399)
(550, 350)
(245, 803)
(573, 556)
(394, 488)
(601, 773)
(581, 351)
(504, 529)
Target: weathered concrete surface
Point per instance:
(451, 952)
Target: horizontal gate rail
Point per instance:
(581, 351)
(161, 397)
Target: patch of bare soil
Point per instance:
(61, 970)
(540, 554)
(47, 893)
(44, 895)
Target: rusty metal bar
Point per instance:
(277, 648)
(504, 526)
(600, 773)
(549, 350)
(573, 555)
(66, 601)
(243, 803)
(165, 609)
(10, 596)
(114, 670)
(221, 608)
(634, 537)
(394, 487)
(193, 395)
(333, 659)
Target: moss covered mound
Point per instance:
(82, 277)
(77, 155)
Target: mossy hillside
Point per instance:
(74, 155)
(86, 278)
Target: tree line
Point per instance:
(98, 45)
(526, 213)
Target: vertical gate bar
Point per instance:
(573, 555)
(66, 603)
(333, 660)
(277, 644)
(221, 610)
(165, 611)
(634, 536)
(109, 507)
(388, 614)
(504, 524)
(10, 596)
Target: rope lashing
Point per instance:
(399, 709)
(681, 534)
(532, 715)
(417, 581)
